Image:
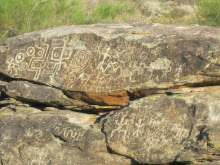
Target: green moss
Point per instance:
(186, 97)
(168, 152)
(215, 60)
(4, 113)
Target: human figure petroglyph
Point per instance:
(73, 61)
(138, 123)
(179, 71)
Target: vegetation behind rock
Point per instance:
(19, 17)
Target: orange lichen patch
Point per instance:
(118, 98)
(142, 93)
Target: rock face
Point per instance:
(38, 93)
(53, 138)
(160, 129)
(127, 57)
(111, 94)
(110, 58)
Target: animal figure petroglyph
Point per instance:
(71, 62)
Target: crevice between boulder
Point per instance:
(100, 102)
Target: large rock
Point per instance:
(182, 126)
(58, 138)
(97, 68)
(107, 58)
(41, 94)
(161, 129)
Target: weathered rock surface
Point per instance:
(114, 57)
(53, 138)
(180, 127)
(40, 94)
(47, 76)
(160, 129)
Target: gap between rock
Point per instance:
(104, 102)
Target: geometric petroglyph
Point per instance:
(147, 127)
(80, 60)
(88, 63)
(16, 64)
(47, 57)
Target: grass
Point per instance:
(208, 12)
(176, 15)
(22, 16)
(18, 17)
(109, 10)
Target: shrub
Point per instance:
(176, 15)
(208, 12)
(22, 16)
(109, 10)
(18, 17)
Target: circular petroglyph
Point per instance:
(56, 55)
(40, 53)
(23, 66)
(30, 51)
(19, 57)
(43, 64)
(80, 60)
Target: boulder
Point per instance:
(121, 93)
(99, 61)
(160, 129)
(40, 94)
(53, 138)
(181, 126)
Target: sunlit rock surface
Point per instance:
(111, 94)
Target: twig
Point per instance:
(4, 34)
(32, 12)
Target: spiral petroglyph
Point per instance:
(102, 65)
(80, 61)
(111, 94)
(90, 61)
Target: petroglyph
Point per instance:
(149, 126)
(34, 133)
(73, 61)
(87, 62)
(46, 57)
(74, 134)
